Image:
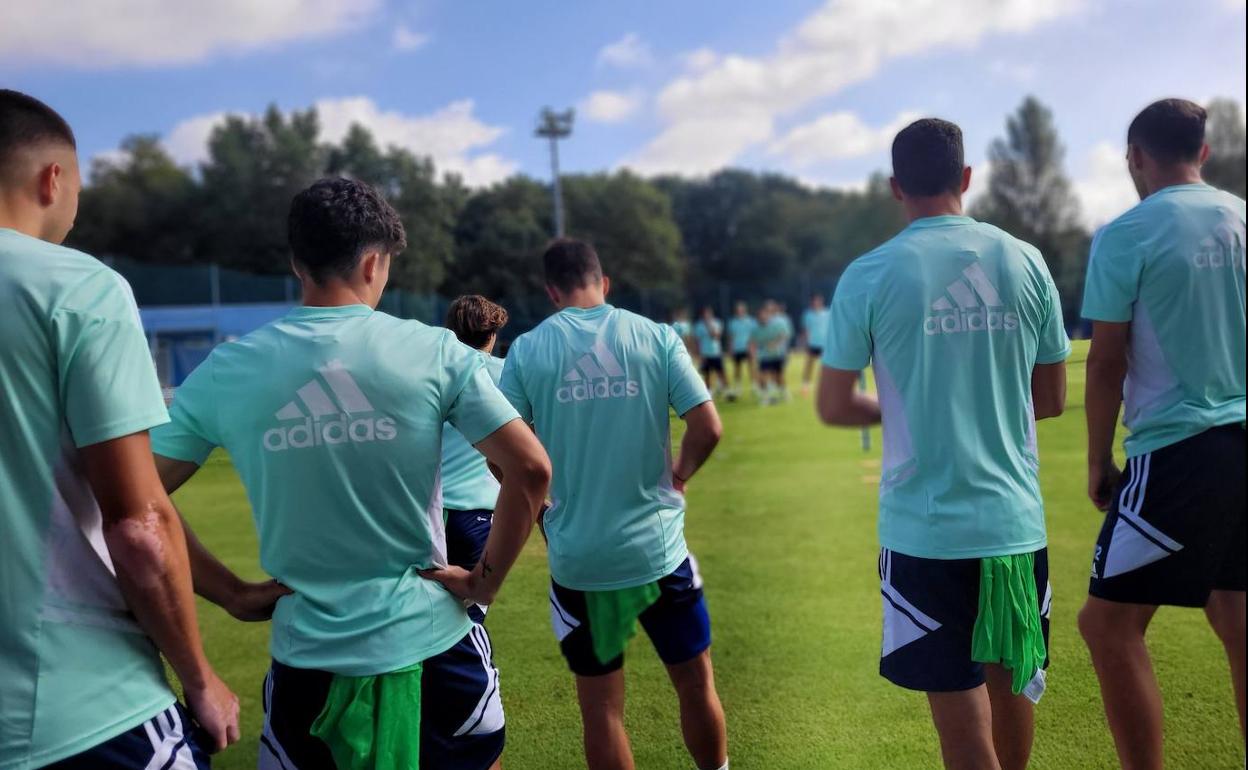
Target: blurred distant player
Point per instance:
(963, 328)
(597, 383)
(683, 328)
(814, 332)
(740, 334)
(709, 333)
(1165, 293)
(333, 417)
(95, 583)
(771, 350)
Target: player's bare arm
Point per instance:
(1048, 390)
(525, 477)
(703, 430)
(244, 600)
(1106, 372)
(839, 402)
(146, 543)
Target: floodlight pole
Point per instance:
(554, 126)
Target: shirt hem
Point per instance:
(970, 553)
(443, 644)
(617, 585)
(1138, 448)
(98, 737)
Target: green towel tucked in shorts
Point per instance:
(1008, 629)
(373, 722)
(613, 617)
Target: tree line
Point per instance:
(671, 236)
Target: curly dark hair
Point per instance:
(475, 319)
(333, 222)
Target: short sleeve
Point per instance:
(472, 402)
(685, 389)
(848, 342)
(1113, 279)
(512, 386)
(192, 431)
(1054, 345)
(108, 385)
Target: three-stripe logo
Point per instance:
(596, 374)
(351, 419)
(976, 307)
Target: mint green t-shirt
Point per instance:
(741, 330)
(596, 384)
(333, 418)
(1173, 266)
(75, 668)
(953, 315)
(710, 337)
(772, 338)
(467, 484)
(815, 324)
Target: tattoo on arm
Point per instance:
(486, 569)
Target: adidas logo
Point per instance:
(1222, 249)
(966, 313)
(327, 423)
(597, 374)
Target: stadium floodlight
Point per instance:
(554, 126)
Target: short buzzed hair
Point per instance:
(928, 158)
(571, 264)
(1170, 130)
(25, 122)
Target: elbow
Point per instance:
(1045, 411)
(829, 414)
(536, 472)
(139, 545)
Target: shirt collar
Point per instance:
(309, 313)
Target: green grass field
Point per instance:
(782, 520)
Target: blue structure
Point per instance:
(181, 336)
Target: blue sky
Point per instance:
(815, 89)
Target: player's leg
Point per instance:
(808, 369)
(1114, 633)
(293, 698)
(1013, 719)
(930, 607)
(963, 720)
(1225, 611)
(599, 686)
(601, 699)
(679, 626)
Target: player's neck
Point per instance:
(334, 294)
(21, 219)
(583, 299)
(948, 205)
(1174, 176)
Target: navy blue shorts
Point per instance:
(677, 623)
(1175, 532)
(461, 719)
(773, 365)
(466, 533)
(930, 608)
(168, 741)
(739, 356)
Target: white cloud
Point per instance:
(407, 39)
(1023, 73)
(610, 106)
(836, 136)
(629, 51)
(453, 136)
(844, 42)
(155, 32)
(1106, 190)
(701, 59)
